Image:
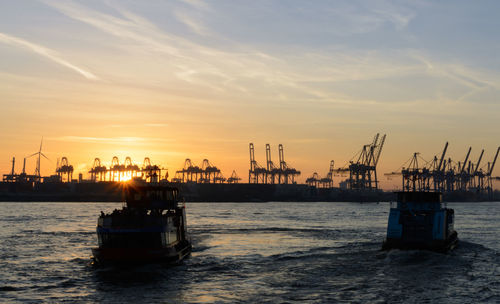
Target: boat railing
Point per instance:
(418, 205)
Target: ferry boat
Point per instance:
(420, 220)
(150, 228)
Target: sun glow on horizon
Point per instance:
(126, 179)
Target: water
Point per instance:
(250, 253)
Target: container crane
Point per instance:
(256, 173)
(234, 179)
(286, 173)
(65, 170)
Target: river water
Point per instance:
(250, 253)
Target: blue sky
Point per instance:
(203, 78)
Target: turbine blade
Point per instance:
(44, 156)
(41, 142)
(32, 155)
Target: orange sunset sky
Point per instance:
(192, 79)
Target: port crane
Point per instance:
(491, 166)
(210, 173)
(98, 171)
(234, 179)
(363, 171)
(190, 172)
(256, 173)
(286, 173)
(271, 174)
(445, 175)
(272, 171)
(151, 173)
(325, 182)
(207, 173)
(65, 170)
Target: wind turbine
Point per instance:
(39, 153)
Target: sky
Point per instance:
(171, 80)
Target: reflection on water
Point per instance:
(275, 252)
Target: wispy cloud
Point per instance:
(474, 80)
(198, 4)
(45, 52)
(296, 76)
(192, 23)
(399, 15)
(129, 26)
(237, 67)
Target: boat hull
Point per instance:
(432, 245)
(173, 254)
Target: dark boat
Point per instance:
(420, 220)
(150, 228)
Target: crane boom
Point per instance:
(373, 149)
(465, 161)
(442, 156)
(478, 162)
(494, 161)
(379, 150)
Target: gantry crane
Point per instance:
(98, 171)
(234, 179)
(363, 171)
(65, 170)
(256, 173)
(286, 174)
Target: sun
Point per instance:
(126, 178)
